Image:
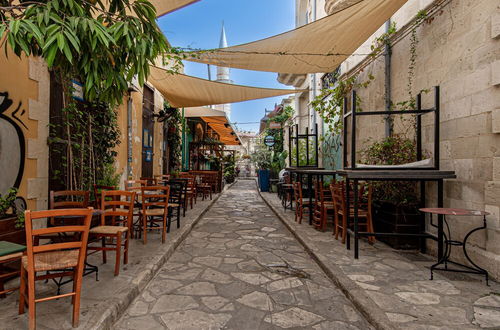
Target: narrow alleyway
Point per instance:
(241, 269)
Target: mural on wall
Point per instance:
(12, 147)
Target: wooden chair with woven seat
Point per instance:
(161, 178)
(339, 196)
(300, 202)
(10, 255)
(150, 181)
(66, 258)
(118, 206)
(322, 206)
(154, 209)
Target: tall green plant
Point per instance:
(104, 44)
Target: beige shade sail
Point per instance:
(183, 91)
(217, 120)
(167, 6)
(316, 47)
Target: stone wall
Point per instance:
(458, 50)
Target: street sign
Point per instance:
(274, 125)
(269, 141)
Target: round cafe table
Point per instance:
(445, 260)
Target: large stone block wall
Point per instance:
(459, 50)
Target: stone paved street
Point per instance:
(240, 268)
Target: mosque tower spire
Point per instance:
(224, 74)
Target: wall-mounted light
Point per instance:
(226, 125)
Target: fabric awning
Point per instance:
(217, 120)
(167, 6)
(185, 91)
(316, 47)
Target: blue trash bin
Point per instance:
(264, 180)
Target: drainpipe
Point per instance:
(129, 131)
(387, 84)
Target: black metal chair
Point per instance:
(176, 200)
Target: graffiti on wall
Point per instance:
(12, 147)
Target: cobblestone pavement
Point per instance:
(240, 268)
(393, 287)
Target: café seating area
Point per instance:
(61, 240)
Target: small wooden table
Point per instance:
(445, 259)
(9, 253)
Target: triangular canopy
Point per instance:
(167, 6)
(316, 47)
(186, 91)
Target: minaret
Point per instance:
(223, 74)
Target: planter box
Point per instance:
(389, 218)
(9, 232)
(263, 180)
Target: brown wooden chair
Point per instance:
(69, 199)
(97, 193)
(135, 185)
(66, 258)
(300, 202)
(161, 178)
(365, 219)
(322, 206)
(154, 209)
(190, 190)
(10, 256)
(150, 181)
(119, 206)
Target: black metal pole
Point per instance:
(290, 128)
(436, 127)
(307, 146)
(316, 144)
(297, 145)
(353, 130)
(440, 220)
(348, 218)
(356, 229)
(344, 134)
(419, 127)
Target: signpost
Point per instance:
(269, 141)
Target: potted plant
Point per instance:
(229, 169)
(395, 203)
(11, 219)
(262, 160)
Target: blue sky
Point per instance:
(199, 26)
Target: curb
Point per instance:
(115, 308)
(365, 305)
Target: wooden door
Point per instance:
(147, 132)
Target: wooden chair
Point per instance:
(135, 185)
(69, 199)
(190, 189)
(150, 181)
(365, 219)
(161, 178)
(300, 202)
(119, 206)
(67, 257)
(10, 256)
(154, 206)
(323, 204)
(97, 193)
